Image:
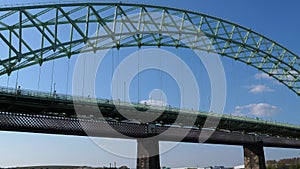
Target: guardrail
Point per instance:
(64, 97)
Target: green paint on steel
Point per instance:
(48, 22)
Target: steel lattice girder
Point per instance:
(62, 30)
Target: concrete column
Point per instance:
(148, 154)
(254, 157)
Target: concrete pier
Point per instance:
(254, 157)
(148, 154)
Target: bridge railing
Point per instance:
(18, 92)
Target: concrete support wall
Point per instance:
(254, 157)
(148, 154)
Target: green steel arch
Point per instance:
(34, 34)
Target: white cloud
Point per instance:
(258, 110)
(262, 76)
(260, 89)
(290, 75)
(154, 102)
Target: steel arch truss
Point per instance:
(34, 34)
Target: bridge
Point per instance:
(135, 25)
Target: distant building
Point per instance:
(68, 167)
(188, 168)
(239, 167)
(211, 167)
(218, 167)
(55, 167)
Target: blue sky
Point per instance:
(247, 90)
